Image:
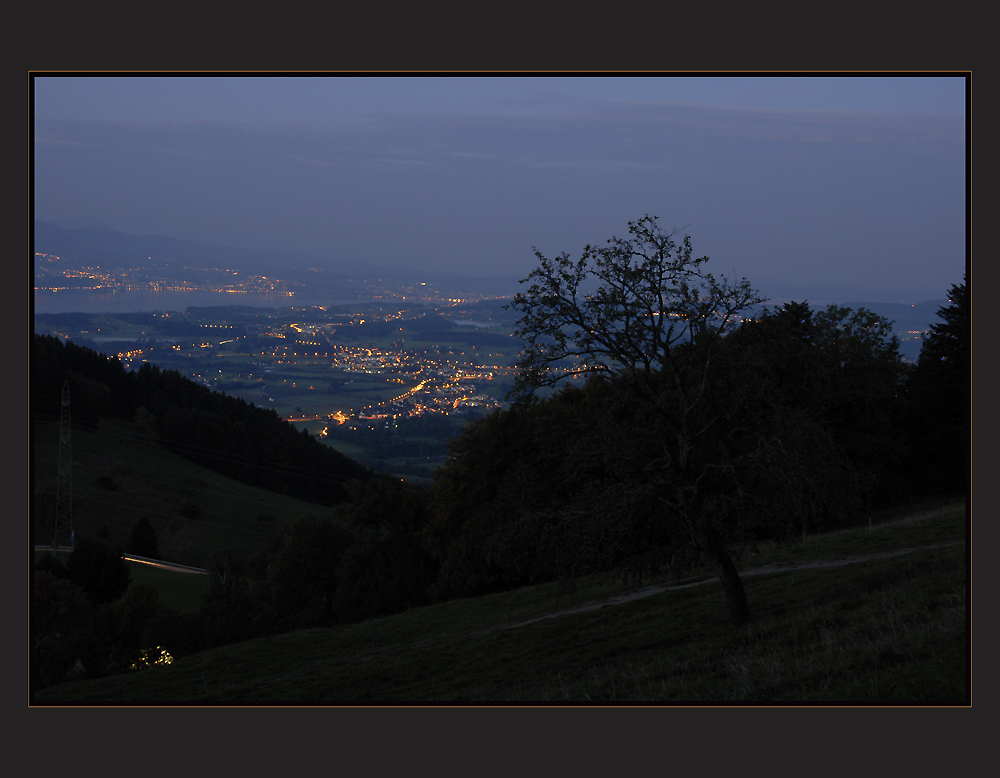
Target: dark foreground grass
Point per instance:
(938, 521)
(888, 630)
(182, 592)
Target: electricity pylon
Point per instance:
(63, 531)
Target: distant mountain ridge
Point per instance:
(108, 247)
(122, 249)
(917, 316)
(81, 224)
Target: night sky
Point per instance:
(835, 188)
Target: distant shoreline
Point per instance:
(73, 301)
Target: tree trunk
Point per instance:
(714, 547)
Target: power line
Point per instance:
(173, 515)
(62, 532)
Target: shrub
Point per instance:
(142, 540)
(61, 628)
(99, 570)
(191, 510)
(266, 520)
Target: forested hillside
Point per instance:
(224, 434)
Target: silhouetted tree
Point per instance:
(50, 563)
(386, 568)
(99, 570)
(126, 623)
(61, 628)
(655, 322)
(142, 540)
(190, 510)
(840, 369)
(939, 395)
(508, 501)
(303, 573)
(232, 610)
(696, 427)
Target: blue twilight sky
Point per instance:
(820, 186)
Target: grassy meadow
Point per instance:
(181, 592)
(119, 476)
(892, 629)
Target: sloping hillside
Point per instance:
(883, 629)
(120, 475)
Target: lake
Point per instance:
(131, 302)
(470, 323)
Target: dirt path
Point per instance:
(649, 591)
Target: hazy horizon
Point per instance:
(798, 183)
